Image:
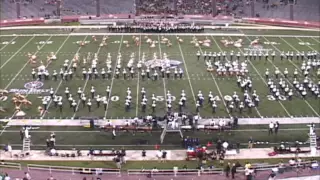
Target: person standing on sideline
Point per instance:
(271, 127)
(227, 170)
(276, 127)
(233, 170)
(250, 143)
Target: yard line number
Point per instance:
(117, 98)
(272, 98)
(305, 44)
(44, 42)
(7, 42)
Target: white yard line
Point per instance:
(309, 46)
(187, 73)
(84, 86)
(280, 51)
(259, 114)
(215, 82)
(315, 39)
(314, 111)
(284, 108)
(113, 75)
(17, 74)
(15, 78)
(137, 100)
(8, 43)
(163, 79)
(57, 88)
(8, 60)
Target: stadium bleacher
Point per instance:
(242, 8)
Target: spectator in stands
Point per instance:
(27, 176)
(6, 177)
(292, 162)
(272, 175)
(51, 178)
(155, 169)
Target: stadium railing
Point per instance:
(73, 170)
(174, 172)
(10, 165)
(203, 172)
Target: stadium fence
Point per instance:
(73, 170)
(10, 165)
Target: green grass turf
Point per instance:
(152, 164)
(84, 138)
(199, 78)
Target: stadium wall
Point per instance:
(68, 19)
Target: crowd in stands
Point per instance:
(240, 8)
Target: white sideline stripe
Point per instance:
(17, 51)
(163, 79)
(85, 85)
(297, 68)
(8, 43)
(215, 82)
(187, 72)
(17, 74)
(232, 130)
(259, 114)
(113, 74)
(265, 81)
(165, 34)
(139, 58)
(60, 80)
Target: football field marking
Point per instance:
(163, 79)
(314, 111)
(138, 74)
(216, 84)
(308, 46)
(284, 108)
(85, 84)
(231, 130)
(8, 43)
(315, 39)
(187, 72)
(16, 77)
(259, 114)
(48, 65)
(280, 51)
(113, 76)
(57, 88)
(8, 60)
(17, 74)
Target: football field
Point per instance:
(16, 75)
